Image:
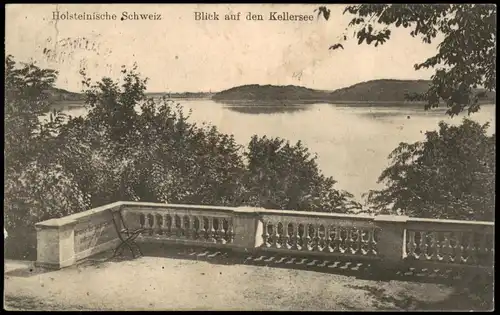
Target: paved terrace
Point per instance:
(205, 279)
(213, 258)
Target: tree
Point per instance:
(36, 187)
(145, 149)
(466, 58)
(450, 175)
(25, 100)
(284, 176)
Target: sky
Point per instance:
(179, 53)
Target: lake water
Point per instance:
(352, 142)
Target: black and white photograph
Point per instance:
(249, 157)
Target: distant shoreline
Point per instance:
(68, 104)
(382, 92)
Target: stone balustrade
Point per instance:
(318, 233)
(431, 243)
(184, 224)
(387, 241)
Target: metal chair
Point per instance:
(127, 236)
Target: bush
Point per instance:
(282, 176)
(450, 175)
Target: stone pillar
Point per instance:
(55, 243)
(391, 241)
(247, 227)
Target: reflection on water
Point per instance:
(63, 106)
(384, 113)
(352, 142)
(268, 103)
(261, 109)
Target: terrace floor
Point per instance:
(199, 279)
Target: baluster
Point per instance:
(358, 242)
(328, 239)
(181, 231)
(344, 239)
(195, 227)
(223, 230)
(189, 226)
(435, 246)
(364, 242)
(164, 227)
(314, 238)
(322, 237)
(446, 249)
(151, 223)
(286, 237)
(226, 230)
(372, 242)
(423, 246)
(470, 250)
(337, 240)
(349, 240)
(142, 221)
(306, 238)
(458, 248)
(295, 237)
(321, 243)
(159, 219)
(265, 234)
(173, 225)
(412, 245)
(216, 232)
(343, 234)
(276, 236)
(231, 234)
(215, 224)
(154, 223)
(352, 242)
(201, 227)
(146, 222)
(220, 230)
(211, 230)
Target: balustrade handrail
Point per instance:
(447, 221)
(120, 204)
(72, 218)
(255, 210)
(314, 214)
(166, 206)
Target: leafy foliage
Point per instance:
(147, 150)
(450, 175)
(130, 147)
(25, 99)
(466, 58)
(323, 11)
(41, 192)
(31, 172)
(282, 176)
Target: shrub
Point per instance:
(450, 175)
